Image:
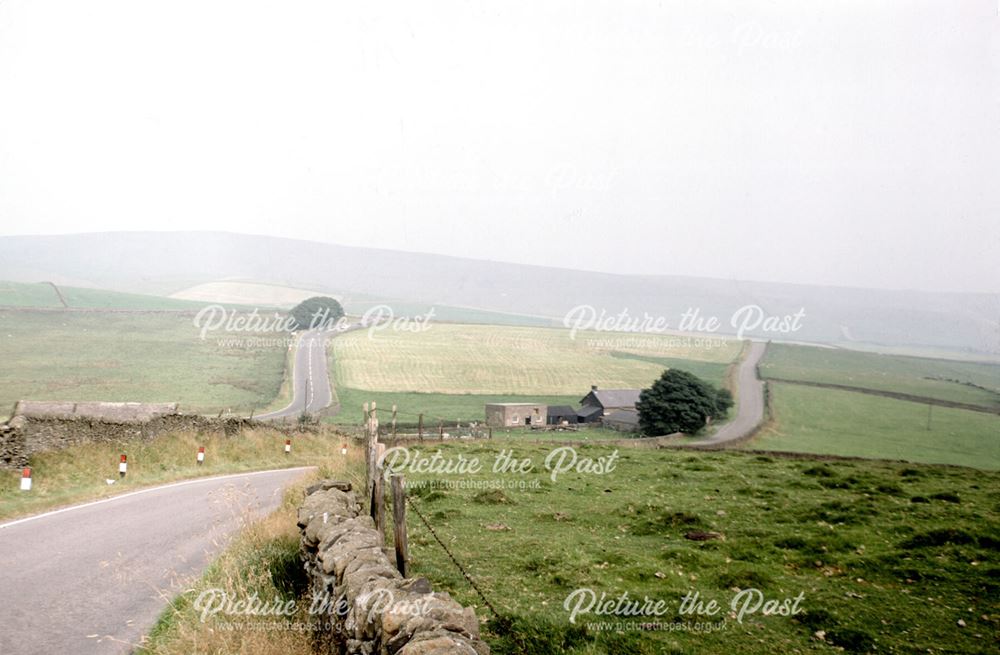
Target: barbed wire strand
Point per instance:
(465, 574)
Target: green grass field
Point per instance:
(910, 375)
(119, 356)
(42, 295)
(888, 557)
(811, 420)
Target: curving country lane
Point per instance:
(311, 388)
(750, 402)
(93, 578)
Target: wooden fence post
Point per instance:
(372, 449)
(398, 483)
(378, 505)
(393, 421)
(440, 429)
(367, 426)
(420, 427)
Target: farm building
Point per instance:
(623, 420)
(504, 415)
(608, 400)
(561, 414)
(589, 414)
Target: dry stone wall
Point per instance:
(23, 436)
(372, 609)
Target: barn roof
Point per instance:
(589, 411)
(561, 410)
(614, 397)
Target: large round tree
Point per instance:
(316, 312)
(678, 402)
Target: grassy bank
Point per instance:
(130, 357)
(889, 558)
(812, 420)
(80, 473)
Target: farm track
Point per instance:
(750, 405)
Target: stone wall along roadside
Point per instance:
(373, 610)
(24, 435)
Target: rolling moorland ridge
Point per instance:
(148, 262)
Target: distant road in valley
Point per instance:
(94, 578)
(750, 408)
(311, 388)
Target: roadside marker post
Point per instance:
(26, 479)
(288, 446)
(201, 454)
(122, 465)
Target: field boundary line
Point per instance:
(895, 395)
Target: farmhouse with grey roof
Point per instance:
(611, 399)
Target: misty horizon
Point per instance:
(793, 282)
(793, 144)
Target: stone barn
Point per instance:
(508, 415)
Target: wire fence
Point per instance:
(454, 560)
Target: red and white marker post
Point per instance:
(288, 446)
(343, 449)
(26, 479)
(122, 465)
(201, 455)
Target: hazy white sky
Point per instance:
(856, 142)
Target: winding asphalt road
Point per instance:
(750, 408)
(310, 382)
(311, 389)
(93, 578)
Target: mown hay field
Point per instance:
(481, 359)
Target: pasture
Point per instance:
(42, 295)
(829, 421)
(887, 557)
(948, 380)
(124, 356)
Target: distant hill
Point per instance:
(168, 263)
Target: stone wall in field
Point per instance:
(26, 434)
(371, 609)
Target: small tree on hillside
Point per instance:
(315, 312)
(679, 402)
